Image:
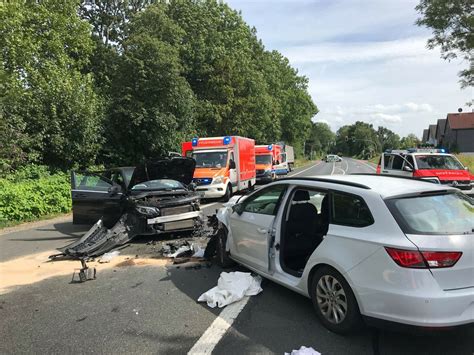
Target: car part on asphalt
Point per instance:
(304, 351)
(84, 274)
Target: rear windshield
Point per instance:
(434, 214)
(438, 162)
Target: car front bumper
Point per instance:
(177, 222)
(212, 191)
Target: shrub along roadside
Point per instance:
(32, 193)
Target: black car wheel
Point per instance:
(222, 256)
(228, 193)
(334, 301)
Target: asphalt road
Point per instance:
(153, 309)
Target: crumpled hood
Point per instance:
(176, 168)
(444, 174)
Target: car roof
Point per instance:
(386, 186)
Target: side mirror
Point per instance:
(238, 208)
(114, 189)
(232, 164)
(466, 168)
(192, 186)
(407, 168)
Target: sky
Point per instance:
(366, 60)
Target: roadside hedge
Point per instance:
(33, 192)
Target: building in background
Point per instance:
(455, 132)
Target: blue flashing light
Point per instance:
(227, 140)
(194, 142)
(205, 180)
(442, 150)
(412, 150)
(270, 147)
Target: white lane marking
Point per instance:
(374, 169)
(211, 337)
(347, 166)
(333, 167)
(302, 171)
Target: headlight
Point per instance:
(148, 211)
(218, 180)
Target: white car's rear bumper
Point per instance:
(409, 296)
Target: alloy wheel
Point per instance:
(331, 299)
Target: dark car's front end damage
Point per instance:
(158, 200)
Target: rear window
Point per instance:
(438, 162)
(434, 214)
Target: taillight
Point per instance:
(437, 259)
(424, 259)
(378, 170)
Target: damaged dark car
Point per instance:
(151, 199)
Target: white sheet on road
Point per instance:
(304, 351)
(232, 287)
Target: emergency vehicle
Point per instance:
(434, 165)
(266, 157)
(224, 165)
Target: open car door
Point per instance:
(94, 196)
(252, 224)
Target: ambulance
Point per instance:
(224, 165)
(434, 165)
(265, 159)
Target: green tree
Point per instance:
(358, 140)
(321, 140)
(410, 141)
(452, 22)
(47, 100)
(387, 138)
(152, 105)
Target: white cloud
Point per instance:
(342, 52)
(365, 60)
(385, 118)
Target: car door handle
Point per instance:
(80, 195)
(385, 171)
(262, 230)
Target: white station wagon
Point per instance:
(360, 246)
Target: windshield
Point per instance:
(437, 162)
(263, 159)
(157, 185)
(210, 159)
(435, 214)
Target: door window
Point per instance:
(397, 162)
(386, 160)
(350, 210)
(266, 201)
(409, 161)
(92, 182)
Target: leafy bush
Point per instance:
(33, 192)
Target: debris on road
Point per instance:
(108, 256)
(85, 273)
(304, 351)
(232, 287)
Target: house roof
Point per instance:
(425, 135)
(432, 132)
(463, 120)
(440, 127)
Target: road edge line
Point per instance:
(302, 171)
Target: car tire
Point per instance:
(222, 256)
(330, 292)
(228, 193)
